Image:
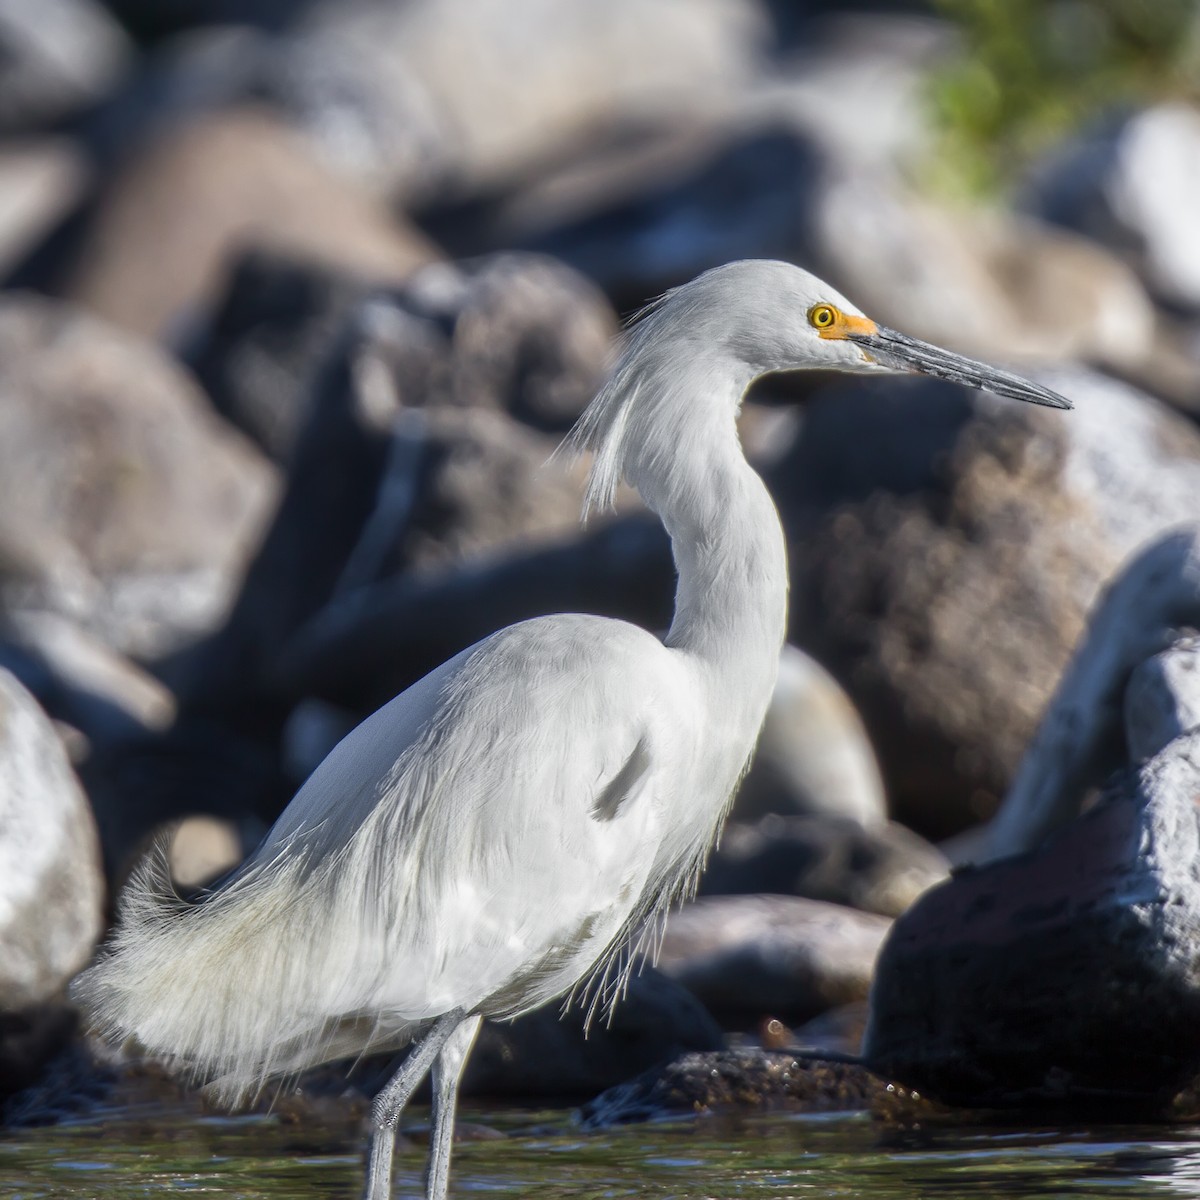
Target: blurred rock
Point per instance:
(51, 890)
(419, 96)
(201, 849)
(882, 869)
(1066, 976)
(550, 1053)
(59, 56)
(170, 221)
(754, 956)
(951, 545)
(1086, 733)
(1162, 701)
(40, 181)
(514, 332)
(813, 755)
(79, 680)
(739, 1081)
(1134, 187)
(985, 284)
(128, 507)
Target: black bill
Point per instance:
(903, 353)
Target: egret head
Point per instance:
(689, 357)
(774, 316)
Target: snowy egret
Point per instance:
(514, 826)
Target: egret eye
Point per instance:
(822, 316)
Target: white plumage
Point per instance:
(504, 831)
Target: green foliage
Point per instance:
(1034, 71)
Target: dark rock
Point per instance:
(30, 1039)
(59, 56)
(746, 957)
(1067, 976)
(745, 1080)
(949, 561)
(813, 754)
(128, 506)
(51, 889)
(171, 219)
(881, 870)
(516, 332)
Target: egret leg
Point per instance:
(396, 1093)
(447, 1072)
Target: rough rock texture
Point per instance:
(1085, 734)
(753, 956)
(1133, 187)
(169, 222)
(882, 869)
(739, 1081)
(813, 754)
(949, 561)
(51, 889)
(1065, 976)
(1162, 699)
(128, 505)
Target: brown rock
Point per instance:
(171, 220)
(950, 548)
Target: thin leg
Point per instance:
(447, 1072)
(389, 1104)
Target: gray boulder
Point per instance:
(51, 888)
(128, 505)
(59, 56)
(1065, 976)
(746, 957)
(880, 869)
(1134, 187)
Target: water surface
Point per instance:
(118, 1155)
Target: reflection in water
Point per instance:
(126, 1154)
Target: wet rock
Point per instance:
(949, 561)
(58, 55)
(1132, 186)
(739, 1081)
(751, 956)
(1082, 739)
(1066, 976)
(163, 234)
(129, 507)
(881, 869)
(40, 181)
(813, 755)
(414, 97)
(51, 890)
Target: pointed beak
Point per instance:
(899, 352)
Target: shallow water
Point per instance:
(122, 1154)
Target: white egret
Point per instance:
(511, 828)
